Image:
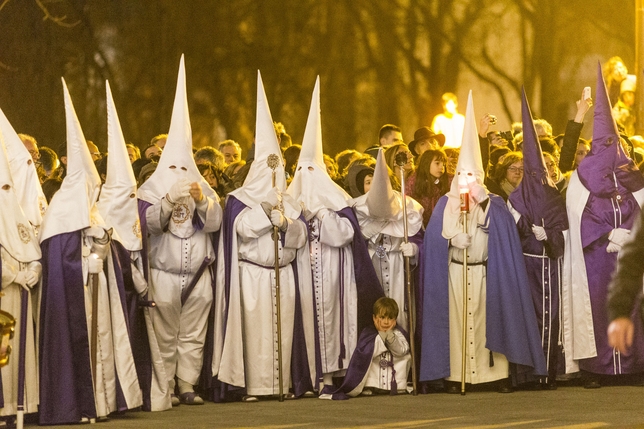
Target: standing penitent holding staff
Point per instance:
(248, 357)
(501, 325)
(344, 283)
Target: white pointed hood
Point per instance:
(17, 236)
(470, 166)
(176, 159)
(118, 203)
(311, 183)
(73, 207)
(23, 171)
(382, 201)
(259, 179)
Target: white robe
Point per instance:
(332, 264)
(181, 330)
(114, 352)
(477, 369)
(384, 240)
(10, 303)
(380, 376)
(249, 353)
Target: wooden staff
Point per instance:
(22, 349)
(401, 160)
(465, 209)
(273, 161)
(94, 327)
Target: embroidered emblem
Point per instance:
(136, 228)
(23, 233)
(180, 213)
(384, 362)
(42, 205)
(381, 252)
(314, 231)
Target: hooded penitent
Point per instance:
(536, 197)
(117, 203)
(16, 234)
(311, 185)
(604, 194)
(606, 170)
(176, 161)
(469, 168)
(382, 201)
(23, 171)
(267, 166)
(80, 186)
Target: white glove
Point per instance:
(409, 249)
(539, 233)
(619, 236)
(21, 278)
(274, 197)
(461, 240)
(306, 212)
(95, 231)
(31, 278)
(179, 190)
(94, 264)
(478, 194)
(612, 247)
(278, 219)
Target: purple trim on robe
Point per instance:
(143, 208)
(137, 328)
(511, 325)
(300, 371)
(223, 392)
(206, 378)
(66, 387)
(24, 301)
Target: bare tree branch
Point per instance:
(58, 20)
(4, 3)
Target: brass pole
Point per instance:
(411, 301)
(272, 162)
(464, 211)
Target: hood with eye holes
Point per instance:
(117, 203)
(17, 236)
(469, 160)
(28, 189)
(73, 207)
(311, 185)
(176, 160)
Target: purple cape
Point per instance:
(66, 387)
(511, 322)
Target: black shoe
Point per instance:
(550, 385)
(452, 387)
(592, 383)
(505, 386)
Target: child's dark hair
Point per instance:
(385, 307)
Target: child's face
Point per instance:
(367, 183)
(383, 323)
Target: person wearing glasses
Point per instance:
(507, 175)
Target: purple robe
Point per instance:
(597, 222)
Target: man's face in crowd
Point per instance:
(231, 154)
(152, 151)
(392, 138)
(32, 148)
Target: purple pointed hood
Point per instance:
(607, 171)
(536, 197)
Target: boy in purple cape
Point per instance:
(603, 201)
(382, 359)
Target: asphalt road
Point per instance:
(567, 407)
